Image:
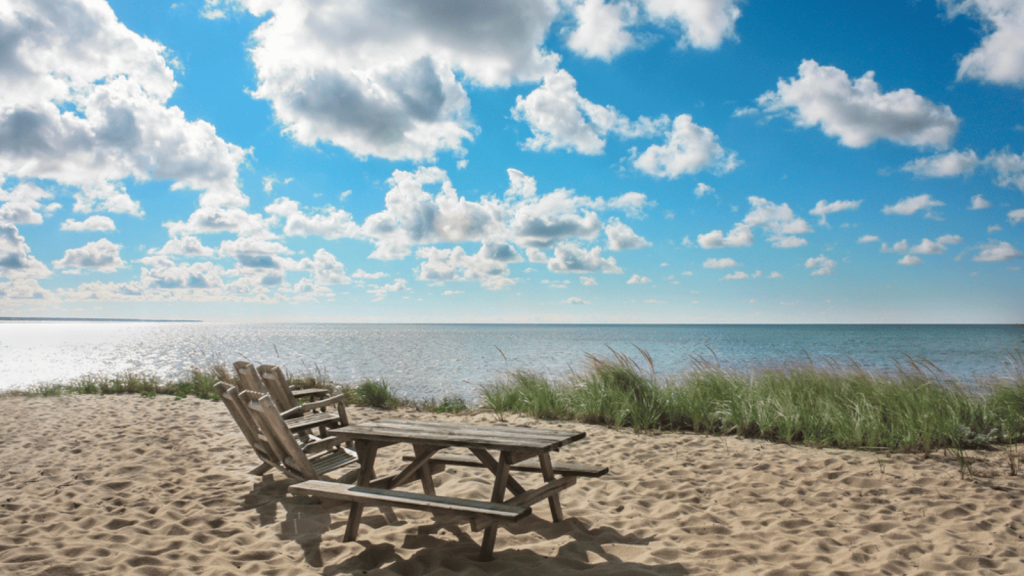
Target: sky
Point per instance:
(548, 161)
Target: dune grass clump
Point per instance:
(915, 410)
(376, 394)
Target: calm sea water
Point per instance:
(424, 360)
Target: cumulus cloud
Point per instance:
(704, 23)
(952, 163)
(15, 260)
(489, 266)
(822, 265)
(858, 112)
(702, 190)
(720, 263)
(1009, 168)
(1000, 57)
(688, 149)
(867, 238)
(257, 253)
(622, 237)
(1015, 216)
(570, 257)
(737, 275)
(73, 55)
(997, 251)
(188, 246)
(575, 300)
(101, 255)
(978, 202)
(384, 78)
(638, 279)
(823, 208)
(601, 29)
(330, 225)
(90, 224)
(362, 275)
(562, 119)
(22, 204)
(777, 220)
(588, 281)
(908, 206)
(379, 292)
(910, 260)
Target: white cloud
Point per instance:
(1009, 168)
(489, 265)
(331, 225)
(571, 258)
(90, 224)
(910, 260)
(822, 265)
(601, 29)
(162, 274)
(22, 204)
(1000, 57)
(949, 239)
(1015, 216)
(101, 255)
(399, 285)
(928, 247)
(997, 251)
(702, 190)
(84, 104)
(384, 78)
(775, 275)
(823, 208)
(778, 220)
(952, 163)
(995, 228)
(632, 203)
(588, 281)
(978, 202)
(452, 292)
(575, 300)
(908, 206)
(737, 275)
(638, 279)
(858, 112)
(720, 263)
(256, 253)
(361, 275)
(561, 119)
(704, 23)
(622, 237)
(901, 246)
(185, 246)
(15, 260)
(867, 238)
(688, 149)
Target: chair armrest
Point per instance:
(303, 408)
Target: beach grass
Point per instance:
(914, 410)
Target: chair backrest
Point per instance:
(229, 395)
(277, 386)
(289, 457)
(248, 378)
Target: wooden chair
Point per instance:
(229, 395)
(301, 462)
(301, 418)
(291, 395)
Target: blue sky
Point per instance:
(666, 161)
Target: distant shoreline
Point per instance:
(47, 319)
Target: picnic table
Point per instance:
(519, 449)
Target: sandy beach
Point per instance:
(132, 485)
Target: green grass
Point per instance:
(917, 410)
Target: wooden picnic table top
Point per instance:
(484, 436)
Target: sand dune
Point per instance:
(131, 485)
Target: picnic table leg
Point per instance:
(549, 474)
(367, 452)
(425, 478)
(497, 496)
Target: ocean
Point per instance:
(434, 360)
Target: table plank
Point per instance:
(502, 438)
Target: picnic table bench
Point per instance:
(519, 449)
